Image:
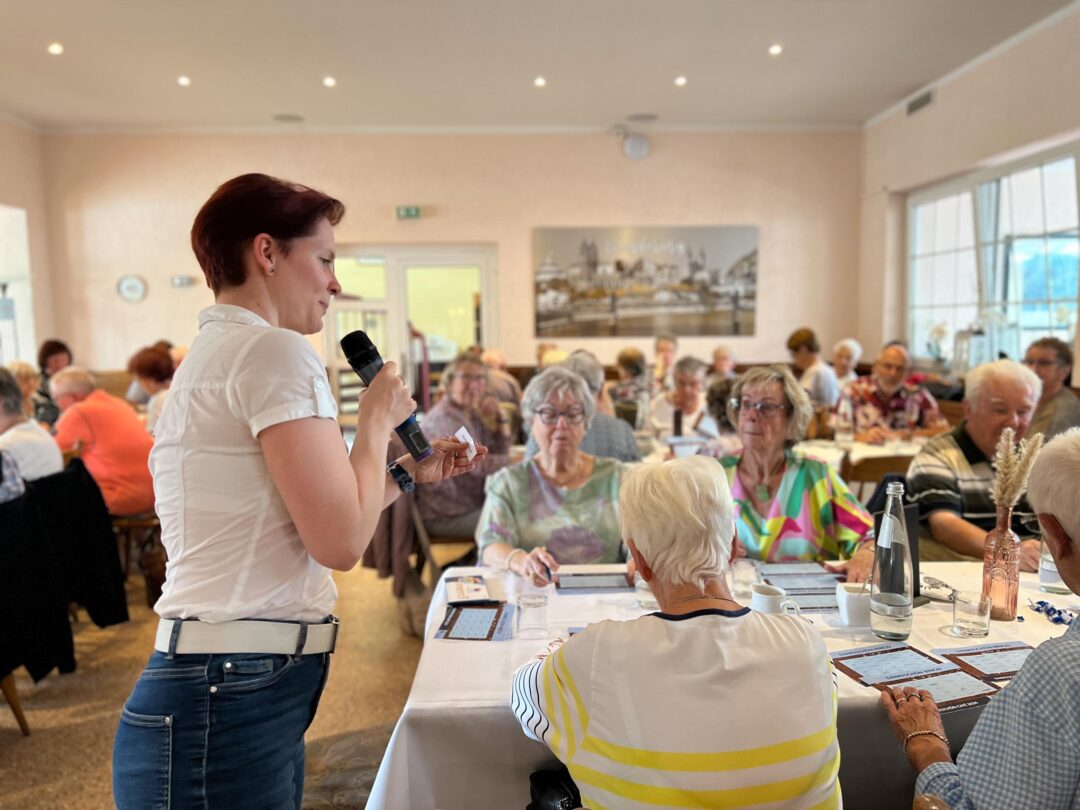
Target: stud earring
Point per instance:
(271, 270)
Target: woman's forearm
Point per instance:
(496, 555)
(368, 460)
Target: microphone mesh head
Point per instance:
(355, 343)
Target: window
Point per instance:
(993, 263)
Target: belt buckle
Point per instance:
(334, 620)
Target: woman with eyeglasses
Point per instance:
(789, 508)
(562, 506)
(451, 508)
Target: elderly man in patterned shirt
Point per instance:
(885, 406)
(1023, 750)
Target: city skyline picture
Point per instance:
(643, 281)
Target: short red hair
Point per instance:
(246, 206)
(152, 363)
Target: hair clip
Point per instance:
(1055, 615)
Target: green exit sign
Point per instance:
(408, 212)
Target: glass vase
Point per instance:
(1001, 567)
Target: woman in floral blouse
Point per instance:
(563, 505)
(786, 507)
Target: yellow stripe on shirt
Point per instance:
(662, 796)
(735, 760)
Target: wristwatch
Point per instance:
(401, 477)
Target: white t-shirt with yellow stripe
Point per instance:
(709, 709)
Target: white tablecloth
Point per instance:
(457, 744)
(833, 454)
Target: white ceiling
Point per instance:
(471, 63)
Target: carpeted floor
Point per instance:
(66, 761)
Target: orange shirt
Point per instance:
(116, 450)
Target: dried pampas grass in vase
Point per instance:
(1001, 557)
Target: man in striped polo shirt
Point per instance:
(950, 478)
(702, 704)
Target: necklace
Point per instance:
(761, 489)
(702, 596)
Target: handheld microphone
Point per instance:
(366, 362)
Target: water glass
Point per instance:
(1049, 579)
(971, 614)
(744, 574)
(644, 595)
(530, 620)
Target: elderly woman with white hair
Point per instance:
(846, 356)
(1023, 750)
(788, 507)
(562, 505)
(701, 704)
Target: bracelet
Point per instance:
(510, 556)
(926, 733)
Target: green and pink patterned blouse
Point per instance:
(814, 516)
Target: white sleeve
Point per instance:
(278, 379)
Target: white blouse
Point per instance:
(234, 552)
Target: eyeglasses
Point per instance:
(573, 416)
(766, 410)
(1041, 363)
(472, 378)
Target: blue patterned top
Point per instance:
(1023, 750)
(525, 510)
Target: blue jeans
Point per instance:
(217, 731)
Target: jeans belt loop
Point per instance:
(301, 640)
(174, 637)
(334, 620)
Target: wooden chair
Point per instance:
(7, 686)
(74, 453)
(131, 530)
(871, 471)
(952, 411)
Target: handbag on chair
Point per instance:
(553, 790)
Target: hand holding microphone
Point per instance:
(388, 395)
(367, 362)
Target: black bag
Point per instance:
(553, 790)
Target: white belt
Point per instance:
(247, 636)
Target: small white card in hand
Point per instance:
(463, 435)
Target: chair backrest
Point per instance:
(627, 411)
(952, 411)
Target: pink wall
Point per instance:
(22, 185)
(124, 204)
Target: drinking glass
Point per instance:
(531, 618)
(744, 574)
(971, 614)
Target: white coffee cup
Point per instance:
(854, 602)
(765, 598)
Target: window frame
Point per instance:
(970, 183)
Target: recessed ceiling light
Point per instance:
(329, 81)
(56, 49)
(680, 81)
(183, 81)
(776, 49)
(540, 81)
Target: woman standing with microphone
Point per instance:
(258, 500)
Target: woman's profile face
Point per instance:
(304, 282)
(763, 429)
(842, 361)
(559, 424)
(57, 362)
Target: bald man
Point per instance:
(886, 407)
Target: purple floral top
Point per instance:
(525, 510)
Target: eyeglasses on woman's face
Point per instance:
(574, 415)
(764, 408)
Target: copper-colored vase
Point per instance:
(1001, 567)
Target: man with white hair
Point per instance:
(1023, 750)
(115, 445)
(950, 477)
(607, 436)
(702, 704)
(884, 405)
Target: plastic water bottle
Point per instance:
(891, 590)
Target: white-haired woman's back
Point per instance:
(702, 704)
